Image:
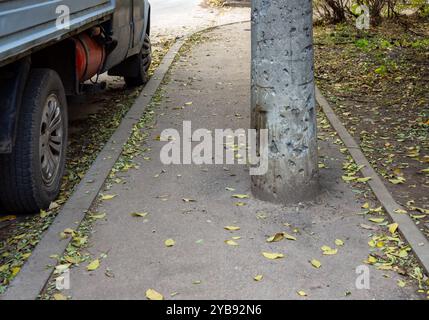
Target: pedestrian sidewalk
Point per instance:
(215, 77)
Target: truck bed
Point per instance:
(28, 24)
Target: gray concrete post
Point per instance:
(283, 98)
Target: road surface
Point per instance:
(179, 17)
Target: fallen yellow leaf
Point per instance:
(259, 277)
(232, 228)
(329, 251)
(316, 263)
(15, 271)
(4, 267)
(385, 267)
(418, 216)
(376, 220)
(376, 210)
(240, 196)
(398, 180)
(273, 256)
(348, 178)
(380, 244)
(231, 243)
(339, 242)
(302, 293)
(425, 211)
(169, 242)
(108, 196)
(280, 236)
(59, 296)
(61, 268)
(98, 216)
(140, 214)
(401, 283)
(403, 253)
(276, 238)
(288, 236)
(72, 260)
(153, 295)
(393, 227)
(400, 211)
(371, 260)
(93, 265)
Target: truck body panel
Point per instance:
(27, 24)
(35, 29)
(129, 26)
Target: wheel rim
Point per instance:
(51, 139)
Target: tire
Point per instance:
(142, 62)
(30, 177)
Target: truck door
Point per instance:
(138, 19)
(122, 31)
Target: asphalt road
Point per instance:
(173, 17)
(166, 7)
(180, 17)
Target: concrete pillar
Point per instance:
(283, 98)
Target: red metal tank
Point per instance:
(90, 56)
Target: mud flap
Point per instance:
(12, 83)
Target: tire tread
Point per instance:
(18, 188)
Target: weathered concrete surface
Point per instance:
(216, 78)
(283, 98)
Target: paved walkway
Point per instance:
(214, 76)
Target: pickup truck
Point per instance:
(48, 49)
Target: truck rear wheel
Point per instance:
(31, 175)
(141, 62)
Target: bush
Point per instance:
(339, 11)
(375, 9)
(422, 7)
(334, 11)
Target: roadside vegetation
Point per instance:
(340, 11)
(377, 80)
(377, 83)
(216, 3)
